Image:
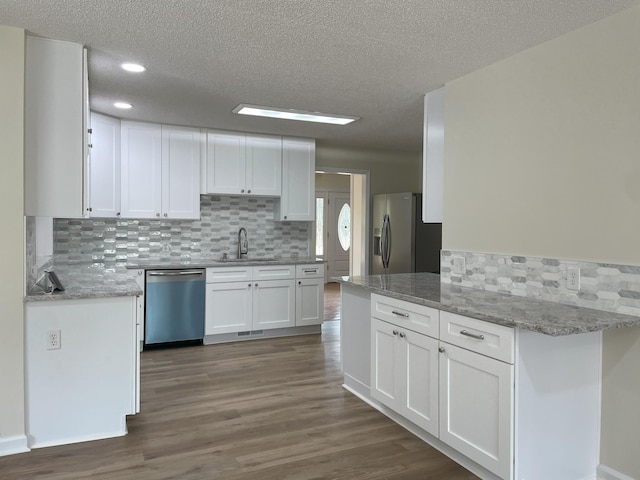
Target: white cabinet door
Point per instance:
(104, 166)
(229, 307)
(385, 384)
(433, 157)
(225, 158)
(274, 304)
(419, 380)
(309, 301)
(297, 202)
(476, 407)
(139, 277)
(404, 373)
(180, 172)
(55, 129)
(263, 165)
(141, 170)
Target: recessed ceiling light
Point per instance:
(123, 105)
(133, 67)
(290, 114)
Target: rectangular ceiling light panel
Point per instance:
(290, 114)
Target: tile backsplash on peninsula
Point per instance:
(114, 241)
(603, 286)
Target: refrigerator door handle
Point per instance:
(389, 239)
(385, 240)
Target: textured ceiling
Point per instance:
(370, 58)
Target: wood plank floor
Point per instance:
(267, 409)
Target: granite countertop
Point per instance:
(205, 262)
(95, 280)
(88, 281)
(539, 316)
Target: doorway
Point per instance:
(342, 221)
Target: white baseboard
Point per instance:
(80, 439)
(607, 473)
(13, 445)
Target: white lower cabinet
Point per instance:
(309, 294)
(463, 397)
(229, 307)
(476, 407)
(404, 373)
(264, 297)
(274, 304)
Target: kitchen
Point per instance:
(511, 226)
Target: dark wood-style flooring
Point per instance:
(262, 410)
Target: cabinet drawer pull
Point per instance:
(472, 335)
(310, 270)
(402, 334)
(395, 332)
(441, 349)
(400, 314)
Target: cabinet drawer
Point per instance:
(229, 274)
(489, 339)
(412, 316)
(315, 270)
(274, 272)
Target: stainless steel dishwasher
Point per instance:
(174, 307)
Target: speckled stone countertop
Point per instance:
(88, 280)
(94, 280)
(539, 316)
(209, 262)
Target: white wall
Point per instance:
(542, 158)
(11, 239)
(390, 171)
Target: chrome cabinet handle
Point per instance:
(249, 284)
(441, 349)
(395, 332)
(314, 270)
(472, 335)
(402, 334)
(157, 214)
(400, 314)
(242, 191)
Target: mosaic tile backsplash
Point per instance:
(603, 286)
(114, 241)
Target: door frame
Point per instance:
(360, 201)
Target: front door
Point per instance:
(338, 234)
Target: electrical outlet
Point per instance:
(53, 340)
(573, 278)
(459, 265)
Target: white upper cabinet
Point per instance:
(141, 170)
(297, 202)
(104, 166)
(56, 141)
(225, 163)
(433, 157)
(180, 172)
(160, 171)
(263, 172)
(239, 164)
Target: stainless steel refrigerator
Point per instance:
(401, 242)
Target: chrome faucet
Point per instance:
(243, 242)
